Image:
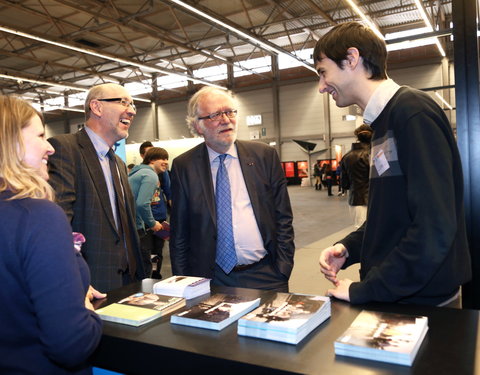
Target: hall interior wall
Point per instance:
(301, 113)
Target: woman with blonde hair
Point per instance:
(47, 322)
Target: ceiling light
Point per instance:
(429, 25)
(107, 57)
(48, 108)
(365, 19)
(15, 78)
(265, 45)
(54, 84)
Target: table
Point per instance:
(450, 346)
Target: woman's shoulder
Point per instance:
(42, 208)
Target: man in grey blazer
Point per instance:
(81, 172)
(261, 215)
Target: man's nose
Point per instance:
(321, 86)
(225, 119)
(131, 110)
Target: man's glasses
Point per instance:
(122, 101)
(217, 116)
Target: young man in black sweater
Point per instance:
(413, 246)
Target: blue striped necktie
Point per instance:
(226, 257)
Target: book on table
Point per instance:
(385, 337)
(140, 308)
(287, 317)
(182, 286)
(216, 312)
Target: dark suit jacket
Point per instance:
(193, 219)
(77, 178)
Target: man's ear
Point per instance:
(96, 108)
(197, 127)
(353, 57)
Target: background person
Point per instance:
(84, 172)
(161, 202)
(355, 174)
(317, 173)
(47, 323)
(144, 182)
(251, 245)
(413, 247)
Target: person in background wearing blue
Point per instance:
(144, 182)
(161, 201)
(47, 322)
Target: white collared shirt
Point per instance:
(248, 240)
(379, 99)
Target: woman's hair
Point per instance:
(22, 180)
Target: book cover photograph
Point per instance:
(140, 308)
(288, 317)
(183, 286)
(385, 337)
(216, 312)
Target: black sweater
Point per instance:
(413, 246)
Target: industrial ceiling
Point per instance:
(54, 48)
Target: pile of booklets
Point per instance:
(216, 312)
(140, 308)
(288, 317)
(384, 337)
(182, 286)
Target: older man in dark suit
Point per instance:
(92, 187)
(231, 216)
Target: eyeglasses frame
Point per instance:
(121, 101)
(220, 114)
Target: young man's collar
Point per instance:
(379, 99)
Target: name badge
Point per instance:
(380, 162)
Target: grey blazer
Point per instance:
(77, 178)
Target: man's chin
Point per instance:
(123, 134)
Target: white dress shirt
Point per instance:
(248, 240)
(379, 99)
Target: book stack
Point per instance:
(288, 317)
(216, 312)
(182, 286)
(384, 337)
(140, 308)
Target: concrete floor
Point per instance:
(319, 221)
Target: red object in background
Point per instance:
(289, 169)
(302, 168)
(333, 162)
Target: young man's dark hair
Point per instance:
(143, 146)
(155, 153)
(372, 49)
